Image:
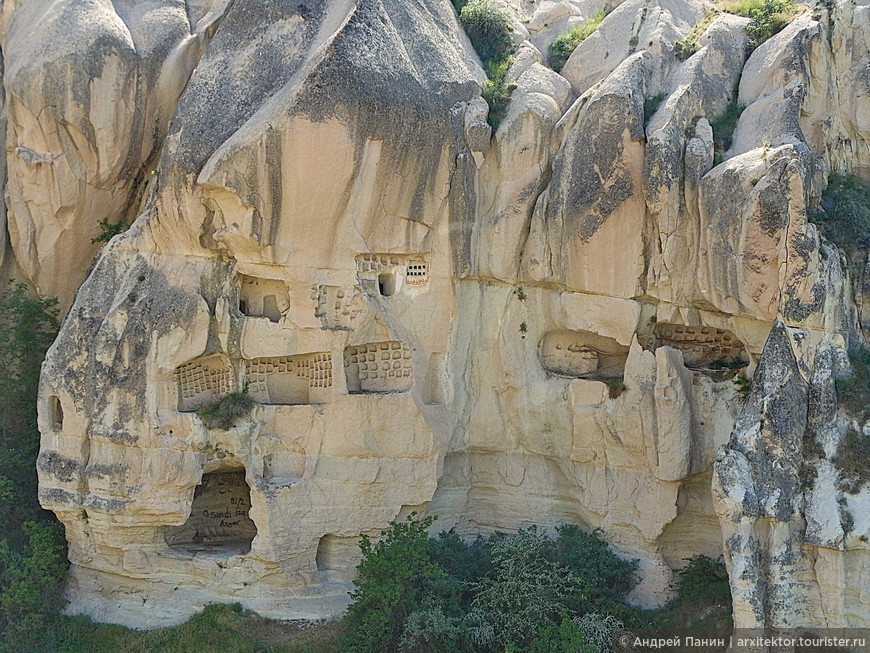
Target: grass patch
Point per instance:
(226, 411)
(724, 125)
(844, 212)
(768, 17)
(225, 628)
(564, 44)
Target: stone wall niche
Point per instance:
(290, 380)
(338, 556)
(379, 367)
(55, 413)
(582, 354)
(202, 381)
(390, 273)
(219, 516)
(702, 346)
(263, 297)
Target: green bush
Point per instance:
(496, 91)
(650, 106)
(769, 17)
(503, 592)
(488, 26)
(32, 553)
(703, 599)
(724, 125)
(606, 577)
(110, 230)
(397, 579)
(853, 461)
(225, 412)
(703, 579)
(844, 212)
(31, 583)
(526, 594)
(564, 44)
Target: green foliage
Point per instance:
(606, 578)
(520, 293)
(725, 123)
(650, 106)
(109, 230)
(32, 553)
(853, 393)
(703, 579)
(853, 460)
(226, 411)
(397, 579)
(703, 600)
(615, 387)
(31, 582)
(685, 48)
(769, 17)
(488, 26)
(496, 91)
(565, 637)
(526, 593)
(844, 213)
(742, 384)
(564, 44)
(518, 592)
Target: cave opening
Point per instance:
(219, 518)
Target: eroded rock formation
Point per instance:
(537, 325)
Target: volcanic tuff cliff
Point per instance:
(498, 328)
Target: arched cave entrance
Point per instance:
(219, 516)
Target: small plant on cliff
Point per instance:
(844, 212)
(615, 387)
(724, 125)
(224, 412)
(853, 392)
(769, 17)
(488, 27)
(496, 91)
(853, 461)
(564, 45)
(650, 106)
(109, 230)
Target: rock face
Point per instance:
(501, 328)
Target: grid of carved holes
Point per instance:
(288, 379)
(198, 382)
(418, 272)
(376, 262)
(379, 367)
(700, 345)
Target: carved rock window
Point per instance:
(219, 516)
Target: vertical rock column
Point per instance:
(756, 491)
